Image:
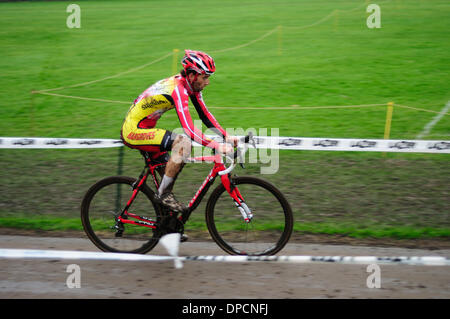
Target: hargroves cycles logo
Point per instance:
(141, 136)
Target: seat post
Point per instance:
(147, 157)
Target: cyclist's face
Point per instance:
(200, 83)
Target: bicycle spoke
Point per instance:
(101, 210)
(268, 230)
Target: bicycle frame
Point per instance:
(218, 169)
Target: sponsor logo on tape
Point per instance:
(290, 141)
(403, 145)
(259, 140)
(24, 141)
(364, 144)
(440, 145)
(326, 143)
(90, 142)
(58, 141)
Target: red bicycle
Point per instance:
(244, 215)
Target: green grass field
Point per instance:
(313, 58)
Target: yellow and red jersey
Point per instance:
(174, 92)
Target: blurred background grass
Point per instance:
(336, 62)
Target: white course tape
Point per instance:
(83, 255)
(361, 145)
(426, 260)
(43, 142)
(68, 254)
(285, 143)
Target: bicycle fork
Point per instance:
(245, 211)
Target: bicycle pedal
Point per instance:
(119, 230)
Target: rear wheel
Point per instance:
(268, 231)
(104, 202)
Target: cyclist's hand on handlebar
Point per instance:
(232, 140)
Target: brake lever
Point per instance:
(247, 140)
(239, 157)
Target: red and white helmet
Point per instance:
(198, 61)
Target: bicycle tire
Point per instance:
(219, 211)
(88, 220)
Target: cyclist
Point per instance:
(139, 131)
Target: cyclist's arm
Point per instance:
(206, 116)
(180, 98)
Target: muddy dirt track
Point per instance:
(46, 278)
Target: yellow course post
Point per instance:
(336, 20)
(280, 39)
(175, 61)
(387, 127)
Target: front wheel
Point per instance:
(267, 232)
